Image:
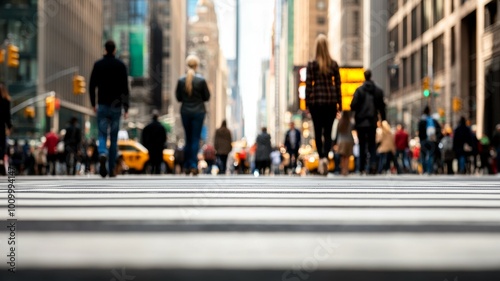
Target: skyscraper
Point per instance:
(65, 39)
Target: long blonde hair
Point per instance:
(323, 54)
(192, 63)
(4, 94)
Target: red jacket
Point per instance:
(401, 140)
(51, 143)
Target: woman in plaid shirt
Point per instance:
(323, 98)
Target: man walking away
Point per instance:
(402, 147)
(367, 103)
(110, 78)
(154, 137)
(429, 133)
(223, 146)
(263, 152)
(462, 144)
(495, 142)
(72, 141)
(50, 144)
(292, 144)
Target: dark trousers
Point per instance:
(156, 167)
(367, 145)
(294, 155)
(262, 166)
(51, 164)
(323, 117)
(449, 166)
(222, 163)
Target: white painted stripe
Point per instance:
(284, 214)
(212, 201)
(258, 251)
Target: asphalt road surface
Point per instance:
(247, 228)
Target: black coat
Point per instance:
(461, 136)
(263, 152)
(5, 121)
(154, 137)
(110, 78)
(368, 103)
(288, 143)
(193, 103)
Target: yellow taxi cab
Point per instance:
(310, 160)
(135, 156)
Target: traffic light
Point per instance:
(425, 87)
(50, 105)
(2, 56)
(456, 104)
(79, 85)
(12, 56)
(29, 112)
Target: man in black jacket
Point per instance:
(429, 134)
(368, 103)
(154, 137)
(292, 144)
(72, 141)
(110, 78)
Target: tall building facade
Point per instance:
(447, 48)
(346, 32)
(57, 39)
(203, 41)
(234, 109)
(168, 30)
(151, 40)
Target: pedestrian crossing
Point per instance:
(265, 228)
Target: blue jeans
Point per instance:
(427, 150)
(403, 155)
(192, 124)
(108, 118)
(461, 164)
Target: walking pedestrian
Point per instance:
(192, 91)
(5, 125)
(495, 142)
(209, 155)
(429, 133)
(223, 146)
(462, 144)
(51, 141)
(367, 104)
(263, 152)
(387, 149)
(402, 147)
(345, 141)
(110, 77)
(276, 160)
(292, 144)
(72, 142)
(323, 98)
(446, 146)
(154, 137)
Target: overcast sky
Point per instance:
(256, 29)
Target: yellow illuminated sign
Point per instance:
(351, 78)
